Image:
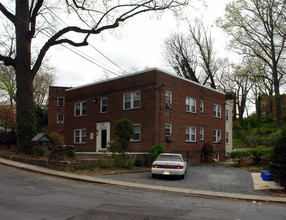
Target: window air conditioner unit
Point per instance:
(168, 105)
(168, 138)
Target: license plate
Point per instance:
(166, 173)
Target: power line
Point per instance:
(101, 53)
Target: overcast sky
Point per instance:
(133, 47)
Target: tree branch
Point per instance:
(7, 14)
(34, 16)
(8, 61)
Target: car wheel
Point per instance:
(183, 177)
(154, 175)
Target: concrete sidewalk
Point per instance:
(142, 186)
(260, 184)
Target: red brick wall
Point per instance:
(114, 90)
(270, 107)
(152, 115)
(179, 118)
(54, 110)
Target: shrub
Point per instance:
(113, 147)
(278, 160)
(239, 156)
(57, 138)
(261, 154)
(124, 161)
(70, 151)
(38, 151)
(156, 150)
(105, 163)
(124, 131)
(207, 151)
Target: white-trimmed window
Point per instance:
(168, 99)
(202, 134)
(132, 100)
(227, 137)
(103, 105)
(263, 114)
(227, 115)
(137, 129)
(202, 106)
(191, 105)
(60, 119)
(60, 101)
(80, 109)
(168, 130)
(262, 104)
(217, 136)
(217, 111)
(191, 134)
(80, 136)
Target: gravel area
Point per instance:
(200, 177)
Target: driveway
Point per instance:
(199, 177)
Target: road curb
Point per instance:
(142, 186)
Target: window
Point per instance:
(217, 111)
(60, 101)
(227, 115)
(168, 99)
(202, 106)
(190, 134)
(191, 105)
(80, 108)
(217, 136)
(262, 104)
(131, 100)
(60, 119)
(263, 114)
(227, 137)
(137, 129)
(80, 136)
(168, 131)
(202, 134)
(103, 105)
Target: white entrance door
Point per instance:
(103, 135)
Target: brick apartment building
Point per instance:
(268, 105)
(177, 113)
(56, 108)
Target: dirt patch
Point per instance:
(110, 171)
(251, 169)
(276, 192)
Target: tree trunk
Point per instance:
(24, 95)
(258, 112)
(277, 99)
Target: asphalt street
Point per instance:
(29, 195)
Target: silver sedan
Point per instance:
(169, 164)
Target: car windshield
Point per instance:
(169, 158)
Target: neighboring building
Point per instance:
(56, 108)
(268, 105)
(179, 114)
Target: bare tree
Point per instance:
(258, 30)
(44, 78)
(192, 56)
(204, 42)
(41, 83)
(30, 19)
(180, 54)
(237, 79)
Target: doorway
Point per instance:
(102, 135)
